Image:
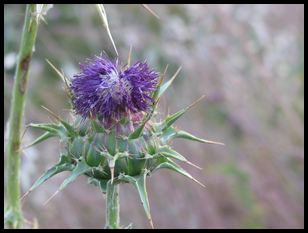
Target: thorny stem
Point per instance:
(16, 113)
(112, 206)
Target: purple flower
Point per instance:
(105, 91)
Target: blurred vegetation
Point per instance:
(249, 62)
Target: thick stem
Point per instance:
(112, 206)
(16, 114)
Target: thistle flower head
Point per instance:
(101, 89)
(127, 153)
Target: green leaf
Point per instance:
(97, 127)
(70, 129)
(81, 125)
(49, 127)
(160, 81)
(76, 147)
(81, 168)
(43, 137)
(140, 185)
(166, 85)
(94, 181)
(174, 167)
(171, 133)
(185, 135)
(56, 129)
(122, 144)
(166, 135)
(112, 142)
(62, 165)
(102, 184)
(168, 152)
(93, 157)
(137, 132)
(127, 178)
(171, 119)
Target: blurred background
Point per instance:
(249, 62)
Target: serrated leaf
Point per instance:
(174, 167)
(171, 119)
(166, 85)
(81, 168)
(43, 137)
(62, 165)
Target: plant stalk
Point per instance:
(112, 206)
(16, 114)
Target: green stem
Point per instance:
(16, 114)
(112, 206)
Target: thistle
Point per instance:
(114, 137)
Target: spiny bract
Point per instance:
(114, 137)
